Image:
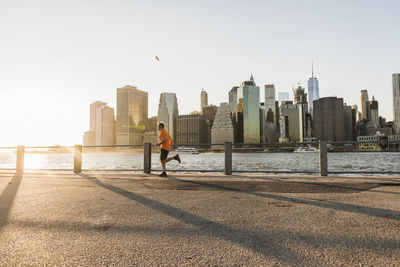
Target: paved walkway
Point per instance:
(124, 219)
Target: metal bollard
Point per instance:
(78, 158)
(323, 158)
(228, 158)
(20, 160)
(147, 158)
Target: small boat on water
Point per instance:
(187, 150)
(306, 149)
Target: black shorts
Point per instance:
(164, 154)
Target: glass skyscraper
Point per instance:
(132, 111)
(248, 101)
(313, 91)
(168, 112)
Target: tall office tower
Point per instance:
(223, 129)
(93, 111)
(283, 96)
(373, 114)
(291, 123)
(329, 119)
(248, 113)
(348, 123)
(263, 123)
(233, 99)
(300, 100)
(192, 129)
(104, 126)
(270, 111)
(396, 102)
(132, 110)
(89, 138)
(313, 90)
(209, 112)
(357, 113)
(168, 112)
(269, 103)
(300, 97)
(364, 104)
(203, 99)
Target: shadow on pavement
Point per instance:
(382, 213)
(244, 239)
(7, 198)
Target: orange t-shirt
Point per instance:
(168, 140)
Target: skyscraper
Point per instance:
(269, 103)
(93, 111)
(396, 102)
(168, 112)
(364, 104)
(313, 90)
(373, 114)
(104, 126)
(300, 96)
(329, 122)
(192, 129)
(233, 99)
(203, 99)
(132, 110)
(248, 102)
(223, 129)
(270, 114)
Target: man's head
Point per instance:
(161, 126)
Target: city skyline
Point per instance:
(54, 67)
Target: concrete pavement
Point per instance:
(128, 219)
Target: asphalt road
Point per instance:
(117, 219)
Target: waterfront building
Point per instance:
(284, 128)
(151, 124)
(269, 103)
(168, 112)
(290, 122)
(262, 122)
(192, 129)
(300, 97)
(373, 112)
(357, 113)
(364, 104)
(93, 111)
(209, 113)
(223, 128)
(395, 142)
(233, 99)
(104, 126)
(328, 119)
(203, 99)
(396, 102)
(283, 96)
(313, 90)
(270, 114)
(132, 111)
(349, 124)
(248, 118)
(89, 138)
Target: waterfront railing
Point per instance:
(227, 148)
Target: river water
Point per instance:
(344, 162)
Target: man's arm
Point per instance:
(163, 140)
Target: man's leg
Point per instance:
(163, 165)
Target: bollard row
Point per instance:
(323, 158)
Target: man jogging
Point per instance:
(165, 143)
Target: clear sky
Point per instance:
(57, 57)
